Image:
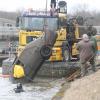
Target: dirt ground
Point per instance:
(86, 88)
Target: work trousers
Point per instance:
(84, 66)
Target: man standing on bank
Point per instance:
(87, 54)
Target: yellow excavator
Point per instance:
(43, 38)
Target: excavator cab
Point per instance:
(33, 27)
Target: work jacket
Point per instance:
(86, 50)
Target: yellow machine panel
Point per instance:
(23, 36)
(74, 50)
(61, 34)
(77, 31)
(56, 54)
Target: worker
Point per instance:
(86, 50)
(93, 39)
(53, 7)
(91, 31)
(70, 38)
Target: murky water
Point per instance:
(41, 89)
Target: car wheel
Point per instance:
(46, 52)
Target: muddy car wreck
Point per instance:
(28, 63)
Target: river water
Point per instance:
(40, 89)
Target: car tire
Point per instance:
(46, 51)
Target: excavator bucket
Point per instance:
(33, 56)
